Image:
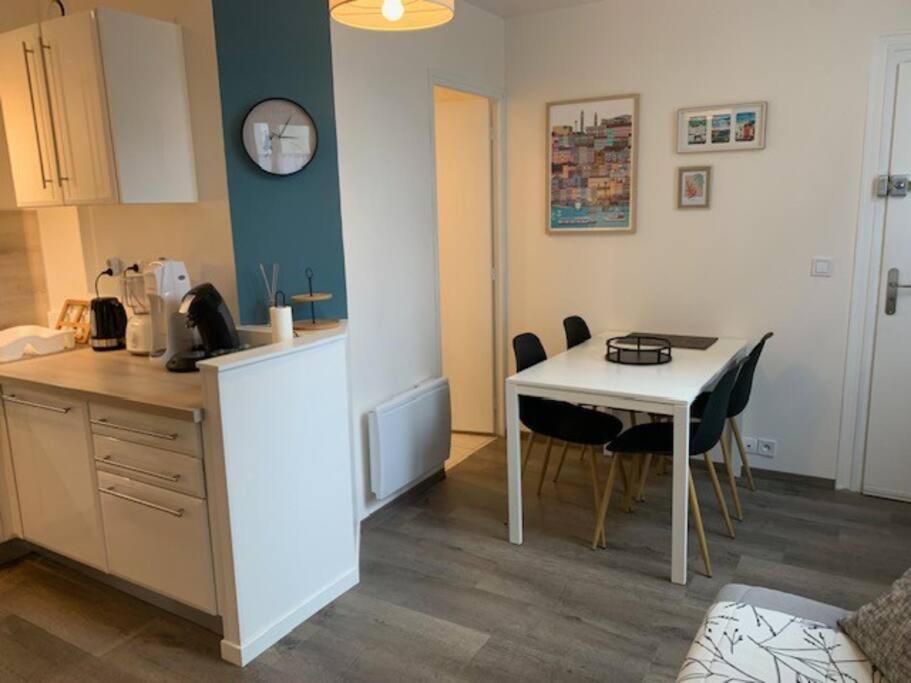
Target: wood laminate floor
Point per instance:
(444, 597)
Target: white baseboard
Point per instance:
(241, 655)
(887, 493)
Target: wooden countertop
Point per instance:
(115, 377)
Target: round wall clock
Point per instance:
(279, 136)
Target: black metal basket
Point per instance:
(638, 350)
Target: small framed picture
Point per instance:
(694, 185)
(722, 128)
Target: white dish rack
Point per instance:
(16, 342)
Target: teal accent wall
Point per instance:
(281, 48)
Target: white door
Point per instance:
(887, 468)
(464, 214)
(72, 60)
(55, 474)
(23, 97)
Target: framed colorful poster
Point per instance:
(724, 128)
(694, 184)
(591, 165)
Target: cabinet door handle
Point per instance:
(109, 460)
(11, 398)
(31, 96)
(104, 422)
(139, 501)
(50, 106)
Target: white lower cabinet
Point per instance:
(55, 477)
(158, 539)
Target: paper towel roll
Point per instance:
(282, 324)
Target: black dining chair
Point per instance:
(576, 330)
(558, 420)
(740, 398)
(657, 438)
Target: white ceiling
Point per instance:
(512, 8)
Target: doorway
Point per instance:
(887, 462)
(464, 144)
(874, 433)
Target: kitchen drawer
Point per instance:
(146, 429)
(158, 539)
(175, 471)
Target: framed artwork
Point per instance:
(591, 165)
(694, 185)
(723, 128)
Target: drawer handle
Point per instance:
(139, 501)
(139, 470)
(104, 422)
(11, 398)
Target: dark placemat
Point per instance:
(681, 341)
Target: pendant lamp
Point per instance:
(392, 15)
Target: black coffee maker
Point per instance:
(208, 313)
(109, 324)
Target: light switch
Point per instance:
(821, 267)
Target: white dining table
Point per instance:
(582, 375)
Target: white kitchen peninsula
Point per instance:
(230, 491)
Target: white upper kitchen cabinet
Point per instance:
(96, 111)
(26, 119)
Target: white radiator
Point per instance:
(409, 437)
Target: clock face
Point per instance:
(279, 136)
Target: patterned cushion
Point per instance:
(740, 642)
(882, 629)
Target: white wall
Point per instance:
(742, 267)
(384, 101)
(198, 233)
(465, 245)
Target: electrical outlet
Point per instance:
(767, 448)
(751, 444)
(116, 266)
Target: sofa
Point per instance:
(757, 634)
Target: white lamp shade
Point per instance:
(367, 14)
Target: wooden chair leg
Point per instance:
(623, 476)
(550, 445)
(632, 482)
(562, 460)
(596, 491)
(732, 482)
(719, 494)
(743, 453)
(661, 468)
(700, 530)
(605, 502)
(643, 477)
(528, 446)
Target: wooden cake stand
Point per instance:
(313, 323)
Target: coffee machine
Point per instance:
(208, 313)
(166, 283)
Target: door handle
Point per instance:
(45, 57)
(140, 501)
(109, 460)
(104, 422)
(31, 96)
(892, 287)
(12, 398)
